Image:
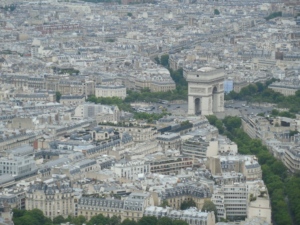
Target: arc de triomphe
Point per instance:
(205, 91)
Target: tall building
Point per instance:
(231, 201)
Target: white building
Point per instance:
(19, 162)
(110, 91)
(103, 113)
(131, 170)
(231, 201)
(192, 216)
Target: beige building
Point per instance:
(53, 199)
(162, 86)
(247, 165)
(170, 165)
(239, 84)
(132, 207)
(22, 123)
(110, 91)
(155, 86)
(70, 100)
(169, 141)
(285, 87)
(102, 113)
(175, 196)
(292, 158)
(138, 133)
(259, 201)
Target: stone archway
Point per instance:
(205, 91)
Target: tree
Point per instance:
(179, 222)
(232, 122)
(293, 132)
(164, 60)
(210, 207)
(186, 204)
(79, 220)
(37, 214)
(58, 220)
(114, 220)
(157, 60)
(165, 204)
(164, 221)
(273, 15)
(98, 220)
(129, 222)
(57, 96)
(148, 220)
(216, 12)
(129, 14)
(18, 212)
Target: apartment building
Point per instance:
(259, 204)
(19, 162)
(170, 165)
(247, 165)
(169, 141)
(56, 199)
(195, 147)
(176, 195)
(96, 111)
(192, 216)
(131, 169)
(132, 207)
(89, 207)
(138, 133)
(292, 158)
(231, 201)
(286, 87)
(70, 100)
(110, 91)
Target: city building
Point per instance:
(292, 158)
(54, 199)
(169, 141)
(232, 201)
(192, 216)
(110, 91)
(197, 147)
(175, 196)
(18, 162)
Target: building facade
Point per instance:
(292, 158)
(110, 91)
(177, 195)
(53, 200)
(192, 216)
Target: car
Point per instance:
(178, 107)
